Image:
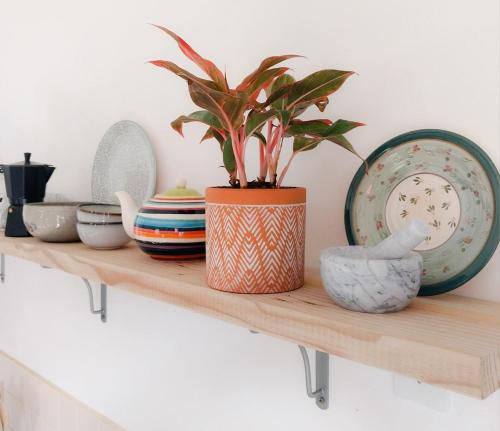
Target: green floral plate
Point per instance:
(445, 180)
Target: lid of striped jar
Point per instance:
(181, 191)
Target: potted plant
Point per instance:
(256, 228)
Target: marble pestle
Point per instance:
(399, 244)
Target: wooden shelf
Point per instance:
(449, 341)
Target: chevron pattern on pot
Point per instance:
(255, 248)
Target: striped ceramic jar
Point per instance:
(172, 227)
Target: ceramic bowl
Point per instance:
(52, 221)
(103, 236)
(99, 213)
(369, 285)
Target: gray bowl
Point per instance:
(358, 283)
(52, 221)
(103, 236)
(99, 213)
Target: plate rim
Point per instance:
(491, 171)
(152, 182)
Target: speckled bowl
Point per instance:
(103, 236)
(358, 283)
(99, 213)
(52, 221)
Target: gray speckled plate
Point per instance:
(124, 161)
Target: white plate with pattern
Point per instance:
(443, 179)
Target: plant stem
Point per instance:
(277, 143)
(285, 169)
(278, 150)
(240, 166)
(243, 145)
(263, 162)
(269, 146)
(264, 157)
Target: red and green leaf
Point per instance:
(279, 90)
(184, 74)
(310, 127)
(264, 65)
(284, 117)
(228, 156)
(322, 103)
(212, 133)
(256, 120)
(260, 137)
(316, 86)
(204, 117)
(323, 127)
(320, 130)
(303, 143)
(344, 143)
(228, 108)
(274, 97)
(342, 126)
(263, 81)
(206, 65)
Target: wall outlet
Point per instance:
(421, 393)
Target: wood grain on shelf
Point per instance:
(449, 341)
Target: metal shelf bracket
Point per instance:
(2, 268)
(322, 392)
(104, 305)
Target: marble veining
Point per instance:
(359, 283)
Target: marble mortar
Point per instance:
(358, 283)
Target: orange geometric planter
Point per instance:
(255, 239)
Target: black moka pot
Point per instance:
(25, 182)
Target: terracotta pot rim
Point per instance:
(281, 196)
(250, 188)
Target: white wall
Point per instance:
(69, 69)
